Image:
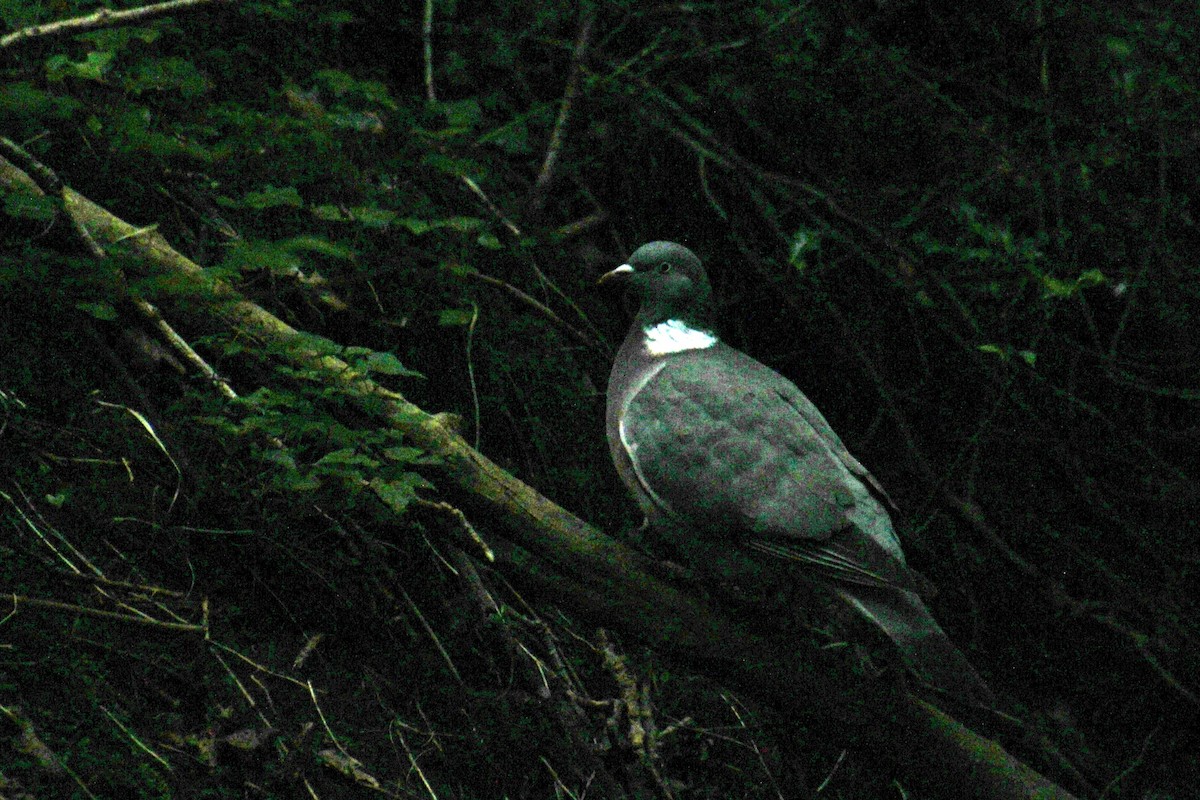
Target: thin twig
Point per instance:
(509, 225)
(146, 424)
(554, 148)
(313, 694)
(133, 737)
(461, 520)
(254, 664)
(104, 18)
(427, 42)
(55, 605)
(186, 350)
(433, 635)
(542, 309)
(471, 373)
(412, 760)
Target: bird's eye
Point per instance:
(664, 267)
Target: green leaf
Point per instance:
(455, 316)
(102, 311)
(92, 68)
(398, 493)
(271, 197)
(119, 38)
(512, 137)
(1121, 48)
(404, 454)
(462, 113)
(318, 244)
(167, 74)
(1057, 288)
(489, 241)
(420, 226)
(385, 364)
(347, 456)
(23, 100)
(454, 166)
(370, 216)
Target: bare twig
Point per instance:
(545, 176)
(580, 226)
(433, 636)
(508, 224)
(104, 18)
(133, 737)
(427, 41)
(460, 519)
(55, 605)
(149, 428)
(255, 664)
(412, 760)
(471, 373)
(542, 309)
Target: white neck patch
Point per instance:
(675, 336)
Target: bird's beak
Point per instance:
(615, 274)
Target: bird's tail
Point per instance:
(923, 645)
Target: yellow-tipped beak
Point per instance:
(624, 269)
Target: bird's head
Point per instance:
(669, 281)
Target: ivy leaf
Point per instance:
(318, 244)
(451, 317)
(463, 224)
(462, 113)
(370, 216)
(102, 311)
(271, 197)
(398, 493)
(92, 68)
(385, 363)
(347, 457)
(407, 455)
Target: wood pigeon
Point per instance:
(734, 458)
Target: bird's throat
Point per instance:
(675, 336)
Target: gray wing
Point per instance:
(721, 444)
(806, 409)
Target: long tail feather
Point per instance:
(923, 645)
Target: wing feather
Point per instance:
(715, 444)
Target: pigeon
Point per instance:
(728, 453)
